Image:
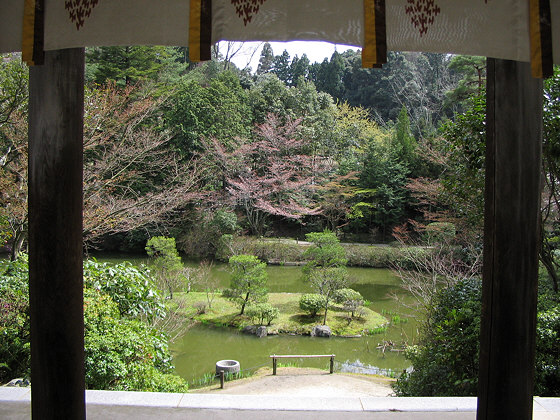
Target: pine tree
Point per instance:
(266, 60)
(282, 67)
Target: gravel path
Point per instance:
(307, 383)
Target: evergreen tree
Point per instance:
(248, 281)
(125, 65)
(217, 109)
(330, 75)
(281, 67)
(266, 61)
(326, 269)
(403, 145)
(471, 71)
(299, 69)
(383, 188)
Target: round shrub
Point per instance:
(312, 303)
(342, 296)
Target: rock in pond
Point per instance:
(261, 331)
(249, 329)
(321, 331)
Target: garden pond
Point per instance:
(197, 351)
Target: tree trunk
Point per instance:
(244, 303)
(19, 238)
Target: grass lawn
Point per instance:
(291, 320)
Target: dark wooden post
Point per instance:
(332, 363)
(511, 240)
(222, 379)
(56, 101)
(274, 360)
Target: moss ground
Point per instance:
(291, 320)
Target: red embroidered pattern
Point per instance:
(422, 13)
(245, 9)
(79, 10)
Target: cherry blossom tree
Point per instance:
(271, 176)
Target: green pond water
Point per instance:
(198, 350)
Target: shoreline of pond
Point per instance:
(288, 252)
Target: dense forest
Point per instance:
(199, 151)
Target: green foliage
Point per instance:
(121, 352)
(547, 368)
(217, 108)
(403, 145)
(326, 269)
(330, 74)
(166, 261)
(312, 303)
(440, 232)
(266, 249)
(225, 222)
(381, 257)
(14, 319)
(343, 295)
(164, 248)
(14, 79)
(131, 288)
(248, 280)
(126, 65)
(446, 361)
(472, 70)
(463, 177)
(351, 301)
(262, 312)
(204, 237)
(124, 354)
(266, 59)
(383, 194)
(551, 166)
(325, 252)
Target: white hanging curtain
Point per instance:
(494, 28)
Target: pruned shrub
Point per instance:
(342, 295)
(351, 300)
(263, 312)
(312, 303)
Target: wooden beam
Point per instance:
(56, 98)
(511, 240)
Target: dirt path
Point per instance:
(306, 383)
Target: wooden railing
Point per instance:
(275, 358)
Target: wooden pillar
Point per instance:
(511, 240)
(56, 98)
